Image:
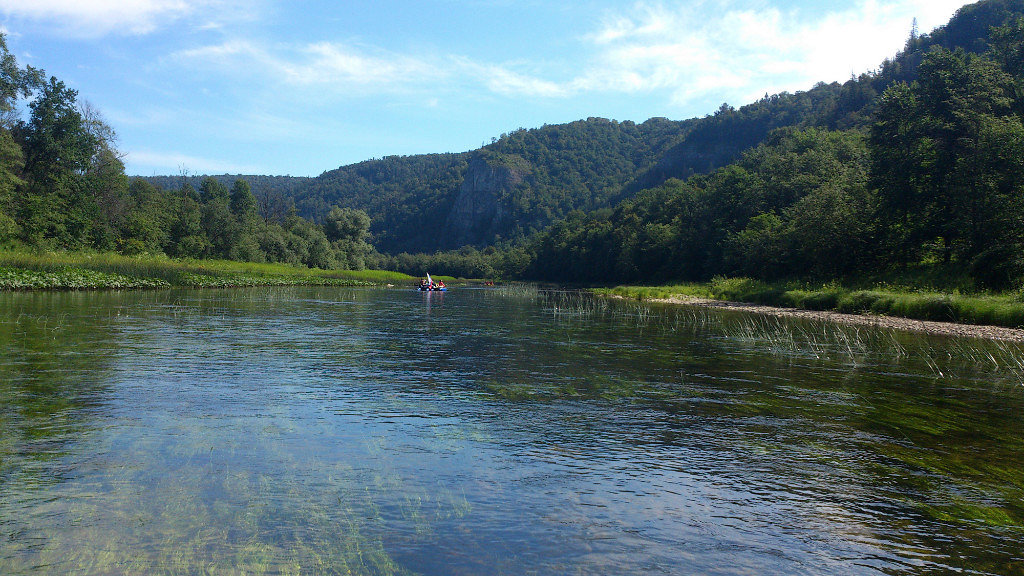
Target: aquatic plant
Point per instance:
(517, 290)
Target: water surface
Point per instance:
(364, 431)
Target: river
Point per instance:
(373, 431)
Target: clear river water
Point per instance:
(486, 432)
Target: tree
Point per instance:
(11, 163)
(243, 203)
(348, 231)
(147, 223)
(58, 148)
(187, 239)
(939, 185)
(218, 222)
(15, 83)
(244, 243)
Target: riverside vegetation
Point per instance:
(1005, 309)
(80, 271)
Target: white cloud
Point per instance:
(97, 18)
(147, 161)
(737, 50)
(331, 68)
(504, 81)
(334, 64)
(324, 66)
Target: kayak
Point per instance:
(430, 286)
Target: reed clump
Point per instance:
(522, 290)
(994, 361)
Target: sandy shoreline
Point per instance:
(926, 326)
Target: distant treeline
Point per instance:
(274, 194)
(63, 186)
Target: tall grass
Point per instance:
(855, 346)
(79, 270)
(518, 290)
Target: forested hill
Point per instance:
(518, 184)
(931, 179)
(529, 179)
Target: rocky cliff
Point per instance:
(479, 212)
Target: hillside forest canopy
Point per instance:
(918, 163)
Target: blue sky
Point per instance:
(303, 86)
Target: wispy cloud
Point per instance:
(324, 66)
(505, 81)
(145, 161)
(97, 18)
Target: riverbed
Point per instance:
(313, 430)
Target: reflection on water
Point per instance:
(335, 430)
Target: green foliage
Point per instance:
(348, 231)
(71, 279)
(997, 310)
(467, 262)
(11, 164)
(948, 156)
(23, 270)
(797, 201)
(577, 166)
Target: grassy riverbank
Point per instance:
(984, 309)
(90, 271)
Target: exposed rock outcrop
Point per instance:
(479, 212)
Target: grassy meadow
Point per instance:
(28, 270)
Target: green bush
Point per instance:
(822, 300)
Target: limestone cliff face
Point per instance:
(478, 213)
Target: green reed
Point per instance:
(517, 290)
(852, 345)
(999, 361)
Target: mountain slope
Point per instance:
(519, 184)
